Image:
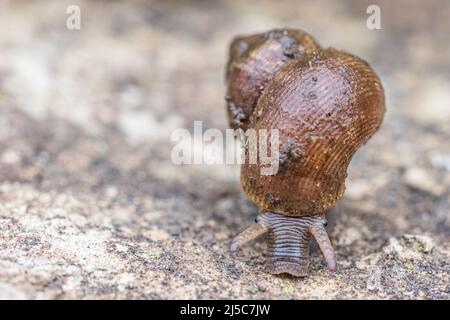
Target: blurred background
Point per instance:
(92, 207)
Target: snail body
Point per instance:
(325, 103)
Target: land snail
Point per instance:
(325, 104)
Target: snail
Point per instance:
(325, 103)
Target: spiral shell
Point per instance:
(325, 103)
(254, 60)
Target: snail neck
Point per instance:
(288, 242)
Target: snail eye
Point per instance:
(257, 219)
(325, 223)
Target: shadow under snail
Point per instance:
(325, 104)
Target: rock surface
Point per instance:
(91, 205)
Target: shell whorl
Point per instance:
(325, 103)
(254, 60)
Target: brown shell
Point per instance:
(325, 105)
(254, 60)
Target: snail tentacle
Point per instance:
(254, 231)
(320, 234)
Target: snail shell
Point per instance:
(254, 60)
(325, 106)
